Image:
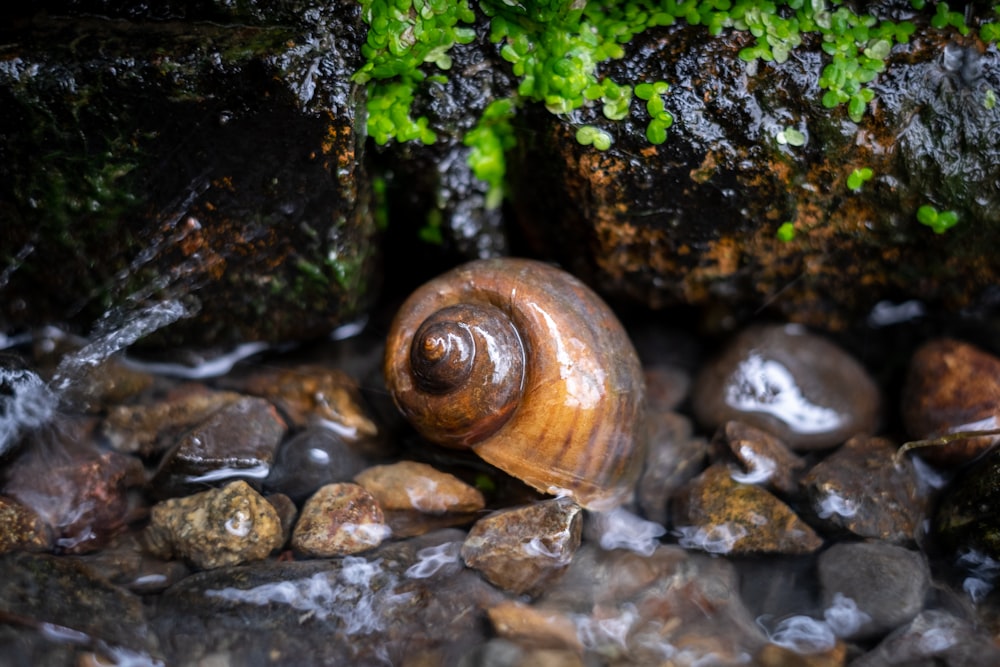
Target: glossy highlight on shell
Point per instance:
(525, 365)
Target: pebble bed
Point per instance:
(272, 508)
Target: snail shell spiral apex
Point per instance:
(525, 365)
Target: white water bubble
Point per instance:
(803, 634)
(832, 503)
(621, 529)
(760, 468)
(26, 403)
(596, 632)
(432, 559)
(844, 617)
(719, 539)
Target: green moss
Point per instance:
(555, 49)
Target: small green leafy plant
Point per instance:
(859, 177)
(939, 221)
(786, 232)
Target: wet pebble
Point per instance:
(409, 485)
(311, 392)
(237, 441)
(150, 428)
(801, 387)
(673, 457)
(531, 627)
(875, 587)
(666, 387)
(401, 604)
(718, 514)
(764, 459)
(525, 549)
(126, 562)
(862, 489)
(934, 638)
(21, 528)
(672, 605)
(952, 386)
(313, 458)
(80, 491)
(58, 600)
(215, 528)
(339, 519)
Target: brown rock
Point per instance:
(720, 515)
(673, 457)
(311, 391)
(772, 655)
(765, 459)
(238, 440)
(525, 549)
(862, 489)
(21, 528)
(952, 386)
(796, 385)
(80, 491)
(339, 519)
(215, 528)
(534, 627)
(147, 428)
(408, 485)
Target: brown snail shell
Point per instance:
(525, 365)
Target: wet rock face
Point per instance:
(966, 517)
(216, 163)
(694, 219)
(796, 385)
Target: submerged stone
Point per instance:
(861, 488)
(404, 603)
(215, 528)
(952, 386)
(717, 514)
(878, 586)
(337, 520)
(525, 549)
(236, 441)
(796, 385)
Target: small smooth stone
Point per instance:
(238, 441)
(798, 386)
(339, 519)
(765, 459)
(885, 582)
(313, 458)
(860, 488)
(717, 514)
(532, 627)
(21, 529)
(935, 638)
(80, 491)
(288, 513)
(409, 485)
(215, 528)
(525, 549)
(952, 386)
(149, 428)
(674, 456)
(312, 392)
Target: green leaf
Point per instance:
(927, 215)
(656, 132)
(786, 232)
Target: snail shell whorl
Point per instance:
(527, 366)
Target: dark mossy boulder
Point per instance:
(214, 160)
(753, 200)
